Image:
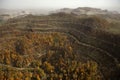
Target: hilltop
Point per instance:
(86, 10)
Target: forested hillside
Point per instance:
(59, 46)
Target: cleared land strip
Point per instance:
(15, 68)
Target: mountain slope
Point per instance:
(58, 46)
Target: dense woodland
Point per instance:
(44, 56)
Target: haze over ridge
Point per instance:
(57, 4)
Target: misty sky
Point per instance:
(55, 4)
